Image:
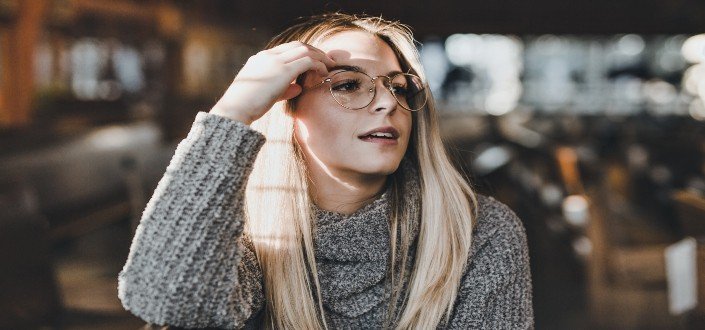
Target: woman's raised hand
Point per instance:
(268, 77)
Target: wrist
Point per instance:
(245, 119)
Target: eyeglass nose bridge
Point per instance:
(386, 83)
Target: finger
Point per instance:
(295, 53)
(329, 61)
(284, 47)
(307, 63)
(299, 52)
(320, 69)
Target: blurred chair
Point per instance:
(697, 320)
(29, 297)
(62, 192)
(690, 207)
(626, 277)
(626, 265)
(92, 179)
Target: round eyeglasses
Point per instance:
(355, 89)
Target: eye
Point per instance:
(400, 90)
(347, 85)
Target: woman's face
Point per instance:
(329, 134)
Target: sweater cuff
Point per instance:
(221, 139)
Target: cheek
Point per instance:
(406, 122)
(328, 132)
(324, 132)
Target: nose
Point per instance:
(384, 100)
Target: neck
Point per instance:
(343, 191)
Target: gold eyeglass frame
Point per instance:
(387, 86)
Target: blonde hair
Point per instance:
(280, 219)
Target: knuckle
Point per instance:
(308, 60)
(302, 49)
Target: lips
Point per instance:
(386, 129)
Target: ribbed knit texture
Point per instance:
(190, 265)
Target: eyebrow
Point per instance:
(357, 68)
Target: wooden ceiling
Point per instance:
(442, 18)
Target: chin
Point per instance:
(379, 168)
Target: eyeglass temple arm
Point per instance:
(320, 83)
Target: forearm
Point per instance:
(184, 260)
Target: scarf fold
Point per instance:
(352, 251)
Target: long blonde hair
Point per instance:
(280, 219)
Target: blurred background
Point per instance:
(585, 117)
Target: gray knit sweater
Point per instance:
(190, 265)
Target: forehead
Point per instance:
(362, 49)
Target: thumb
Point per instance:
(292, 91)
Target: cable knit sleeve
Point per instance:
(189, 263)
(496, 290)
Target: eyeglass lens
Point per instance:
(355, 90)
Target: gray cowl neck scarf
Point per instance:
(352, 251)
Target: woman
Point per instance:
(316, 193)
